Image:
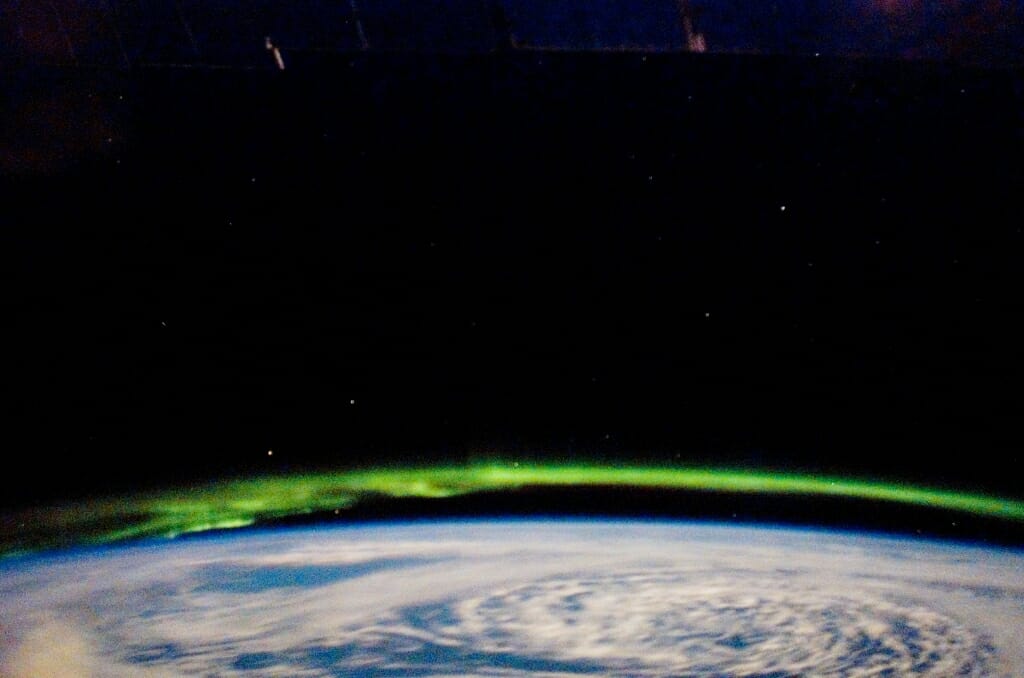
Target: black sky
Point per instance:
(394, 258)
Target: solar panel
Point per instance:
(225, 33)
(441, 25)
(614, 24)
(33, 31)
(308, 24)
(233, 33)
(154, 32)
(93, 35)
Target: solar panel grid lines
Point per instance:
(232, 34)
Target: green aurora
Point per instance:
(239, 503)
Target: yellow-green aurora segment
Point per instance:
(239, 503)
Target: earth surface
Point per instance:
(509, 598)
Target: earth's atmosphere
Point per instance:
(507, 598)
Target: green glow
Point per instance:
(243, 502)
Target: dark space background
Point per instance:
(388, 257)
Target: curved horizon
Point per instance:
(240, 503)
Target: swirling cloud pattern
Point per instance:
(518, 598)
